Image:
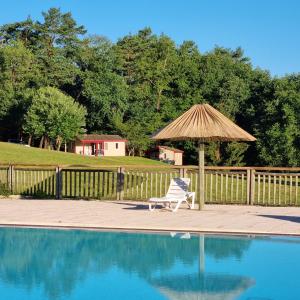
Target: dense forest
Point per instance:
(56, 81)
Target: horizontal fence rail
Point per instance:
(223, 185)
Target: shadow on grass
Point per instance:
(284, 218)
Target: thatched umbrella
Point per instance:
(202, 123)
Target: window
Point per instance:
(117, 145)
(105, 146)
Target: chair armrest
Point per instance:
(190, 194)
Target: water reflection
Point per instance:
(203, 286)
(58, 261)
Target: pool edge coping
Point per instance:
(208, 231)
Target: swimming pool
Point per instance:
(76, 264)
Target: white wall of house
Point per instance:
(178, 159)
(165, 154)
(111, 148)
(169, 155)
(114, 148)
(87, 149)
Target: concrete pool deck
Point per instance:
(129, 215)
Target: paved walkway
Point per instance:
(135, 215)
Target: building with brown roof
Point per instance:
(99, 145)
(166, 154)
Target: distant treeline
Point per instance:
(137, 85)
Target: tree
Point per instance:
(224, 81)
(19, 77)
(137, 136)
(186, 89)
(23, 31)
(54, 117)
(251, 115)
(278, 131)
(57, 43)
(147, 63)
(100, 89)
(148, 66)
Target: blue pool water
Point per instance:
(73, 264)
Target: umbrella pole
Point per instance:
(201, 176)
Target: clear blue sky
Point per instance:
(267, 30)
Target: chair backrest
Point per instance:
(178, 187)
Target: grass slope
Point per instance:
(19, 154)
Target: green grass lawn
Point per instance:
(139, 183)
(19, 154)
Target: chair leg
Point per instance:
(188, 203)
(192, 196)
(166, 204)
(177, 206)
(150, 206)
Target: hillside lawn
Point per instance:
(155, 185)
(20, 154)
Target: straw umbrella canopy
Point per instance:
(202, 123)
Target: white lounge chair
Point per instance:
(177, 194)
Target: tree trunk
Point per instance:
(29, 140)
(218, 152)
(58, 143)
(65, 146)
(79, 93)
(158, 100)
(131, 152)
(42, 142)
(46, 142)
(161, 90)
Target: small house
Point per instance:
(99, 145)
(167, 154)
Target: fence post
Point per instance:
(120, 183)
(182, 172)
(10, 178)
(248, 186)
(58, 182)
(252, 189)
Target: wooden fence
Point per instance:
(236, 185)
